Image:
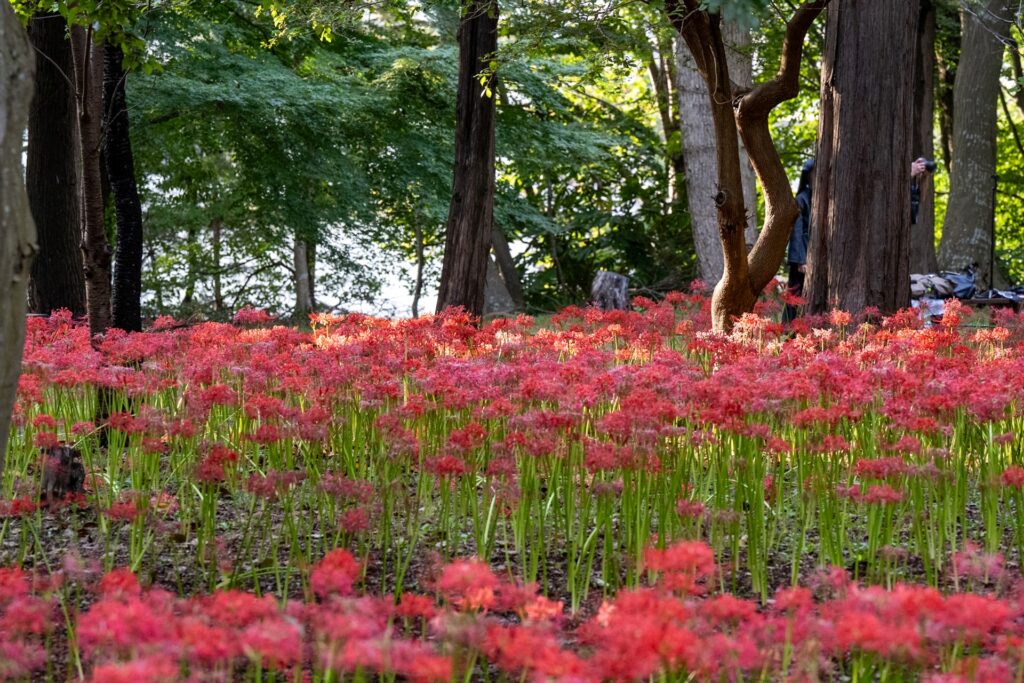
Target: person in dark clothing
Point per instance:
(920, 169)
(799, 239)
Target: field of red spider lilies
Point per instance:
(607, 496)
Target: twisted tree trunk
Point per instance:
(51, 172)
(467, 239)
(127, 287)
(745, 274)
(17, 232)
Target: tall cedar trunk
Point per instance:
(947, 54)
(860, 242)
(699, 152)
(303, 286)
(127, 290)
(95, 247)
(311, 273)
(51, 172)
(470, 216)
(218, 289)
(17, 232)
(746, 274)
(922, 234)
(966, 232)
(192, 256)
(421, 262)
(507, 266)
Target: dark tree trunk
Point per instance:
(127, 290)
(947, 54)
(17, 233)
(746, 274)
(860, 241)
(470, 216)
(51, 173)
(421, 262)
(95, 247)
(967, 231)
(216, 226)
(303, 280)
(922, 234)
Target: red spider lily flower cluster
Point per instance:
(633, 453)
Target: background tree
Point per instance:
(922, 233)
(17, 232)
(51, 172)
(860, 241)
(470, 219)
(698, 151)
(126, 295)
(967, 230)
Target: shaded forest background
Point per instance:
(298, 156)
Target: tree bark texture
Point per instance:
(51, 172)
(860, 241)
(126, 300)
(967, 230)
(922, 234)
(216, 225)
(470, 216)
(745, 274)
(17, 231)
(303, 280)
(699, 152)
(95, 247)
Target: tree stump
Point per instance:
(610, 291)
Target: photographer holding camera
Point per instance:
(920, 169)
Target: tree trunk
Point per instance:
(51, 172)
(699, 152)
(17, 232)
(218, 289)
(192, 261)
(860, 243)
(745, 274)
(507, 266)
(922, 234)
(967, 230)
(947, 54)
(95, 247)
(421, 263)
(470, 216)
(303, 285)
(127, 290)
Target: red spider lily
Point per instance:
(155, 668)
(413, 606)
(124, 511)
(335, 574)
(468, 584)
(248, 315)
(682, 565)
(120, 582)
(18, 507)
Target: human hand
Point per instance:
(802, 268)
(917, 168)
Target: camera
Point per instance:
(930, 165)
